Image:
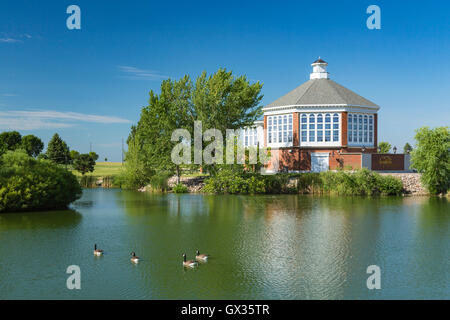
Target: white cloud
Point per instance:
(134, 73)
(48, 119)
(9, 40)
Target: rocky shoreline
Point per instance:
(411, 183)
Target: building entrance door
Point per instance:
(320, 162)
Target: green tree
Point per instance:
(220, 101)
(93, 155)
(135, 172)
(30, 184)
(431, 157)
(407, 148)
(73, 155)
(384, 147)
(58, 151)
(170, 110)
(32, 145)
(10, 140)
(84, 163)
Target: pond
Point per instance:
(261, 247)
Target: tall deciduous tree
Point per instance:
(84, 163)
(32, 145)
(170, 110)
(220, 101)
(58, 151)
(10, 140)
(431, 157)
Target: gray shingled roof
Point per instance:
(321, 91)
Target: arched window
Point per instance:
(312, 128)
(279, 130)
(365, 129)
(360, 129)
(335, 127)
(335, 117)
(327, 127)
(304, 128)
(319, 127)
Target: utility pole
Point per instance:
(122, 151)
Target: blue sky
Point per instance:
(90, 84)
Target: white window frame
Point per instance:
(283, 129)
(361, 130)
(324, 131)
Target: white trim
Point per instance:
(313, 107)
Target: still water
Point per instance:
(261, 247)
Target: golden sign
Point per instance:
(385, 160)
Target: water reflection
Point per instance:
(40, 219)
(261, 247)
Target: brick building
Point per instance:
(319, 126)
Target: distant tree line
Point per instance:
(57, 150)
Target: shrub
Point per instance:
(180, 188)
(389, 185)
(158, 182)
(360, 182)
(30, 184)
(431, 157)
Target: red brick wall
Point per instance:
(344, 130)
(300, 159)
(345, 160)
(382, 161)
(295, 128)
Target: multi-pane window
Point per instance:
(279, 128)
(304, 127)
(360, 129)
(319, 127)
(350, 128)
(335, 127)
(250, 137)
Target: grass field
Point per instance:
(103, 169)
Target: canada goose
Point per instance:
(188, 263)
(201, 257)
(134, 258)
(97, 252)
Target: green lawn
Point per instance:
(103, 169)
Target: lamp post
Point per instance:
(395, 149)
